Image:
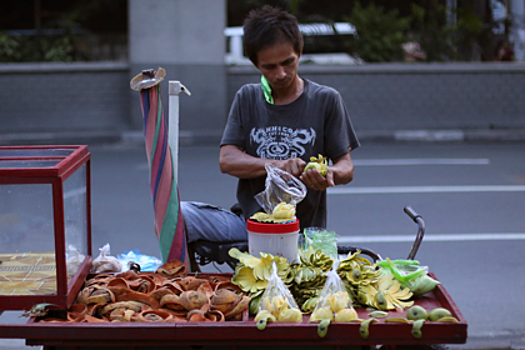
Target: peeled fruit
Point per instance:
(345, 315)
(417, 312)
(318, 163)
(438, 313)
(290, 315)
(322, 313)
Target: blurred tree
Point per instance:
(380, 33)
(58, 30)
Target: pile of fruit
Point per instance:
(366, 285)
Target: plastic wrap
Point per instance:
(316, 238)
(105, 262)
(280, 187)
(277, 303)
(334, 302)
(410, 274)
(147, 263)
(73, 260)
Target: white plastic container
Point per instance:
(275, 239)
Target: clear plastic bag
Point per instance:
(334, 302)
(319, 238)
(105, 262)
(147, 263)
(277, 303)
(280, 187)
(73, 260)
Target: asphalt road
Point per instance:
(471, 196)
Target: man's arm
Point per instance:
(340, 173)
(233, 161)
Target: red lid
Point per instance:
(258, 227)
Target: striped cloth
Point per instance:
(169, 224)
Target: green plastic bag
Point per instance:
(410, 274)
(320, 238)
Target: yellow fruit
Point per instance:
(346, 315)
(322, 313)
(290, 315)
(264, 315)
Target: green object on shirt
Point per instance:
(267, 90)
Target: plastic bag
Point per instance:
(147, 263)
(410, 274)
(280, 187)
(73, 260)
(334, 302)
(320, 238)
(277, 303)
(105, 262)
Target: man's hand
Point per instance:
(294, 166)
(313, 179)
(342, 172)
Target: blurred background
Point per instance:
(452, 65)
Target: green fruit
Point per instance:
(322, 329)
(438, 313)
(417, 312)
(378, 314)
(448, 319)
(364, 328)
(381, 301)
(416, 328)
(313, 165)
(261, 324)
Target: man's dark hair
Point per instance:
(268, 26)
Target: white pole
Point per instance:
(451, 11)
(173, 125)
(175, 88)
(518, 28)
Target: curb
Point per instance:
(187, 138)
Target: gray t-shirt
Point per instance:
(316, 123)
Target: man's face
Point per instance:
(278, 64)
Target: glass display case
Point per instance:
(45, 225)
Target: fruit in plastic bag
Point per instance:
(277, 303)
(334, 303)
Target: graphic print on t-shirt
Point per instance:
(281, 142)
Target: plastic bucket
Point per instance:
(275, 239)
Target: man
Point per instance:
(284, 121)
(297, 119)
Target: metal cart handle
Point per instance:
(420, 233)
(351, 249)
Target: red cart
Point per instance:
(244, 334)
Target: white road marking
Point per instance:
(421, 161)
(423, 189)
(433, 238)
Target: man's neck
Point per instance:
(290, 94)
